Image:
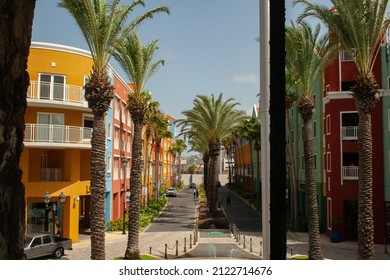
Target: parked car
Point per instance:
(171, 192)
(192, 186)
(45, 244)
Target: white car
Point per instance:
(171, 192)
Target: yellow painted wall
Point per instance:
(74, 66)
(74, 162)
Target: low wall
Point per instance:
(198, 179)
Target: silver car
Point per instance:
(171, 192)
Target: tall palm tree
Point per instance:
(307, 55)
(137, 61)
(179, 146)
(359, 26)
(16, 19)
(161, 124)
(104, 25)
(216, 119)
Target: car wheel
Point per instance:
(58, 253)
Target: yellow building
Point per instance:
(58, 129)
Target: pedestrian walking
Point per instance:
(194, 194)
(197, 194)
(228, 200)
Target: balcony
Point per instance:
(57, 134)
(59, 93)
(350, 132)
(350, 172)
(51, 174)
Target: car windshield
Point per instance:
(171, 190)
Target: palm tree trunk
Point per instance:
(365, 213)
(98, 187)
(311, 194)
(132, 249)
(365, 94)
(15, 38)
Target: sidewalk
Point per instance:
(297, 242)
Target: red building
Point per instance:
(340, 152)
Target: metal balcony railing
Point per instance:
(350, 172)
(57, 133)
(350, 132)
(51, 174)
(56, 92)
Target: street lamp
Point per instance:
(53, 209)
(124, 164)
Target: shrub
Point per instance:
(146, 216)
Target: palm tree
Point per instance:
(136, 60)
(307, 56)
(359, 26)
(104, 26)
(16, 19)
(216, 119)
(179, 146)
(251, 130)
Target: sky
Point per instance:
(209, 47)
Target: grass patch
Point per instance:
(299, 257)
(143, 258)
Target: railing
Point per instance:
(351, 172)
(57, 133)
(350, 132)
(56, 92)
(51, 174)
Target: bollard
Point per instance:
(185, 245)
(166, 249)
(244, 241)
(385, 245)
(291, 249)
(250, 245)
(195, 233)
(261, 248)
(190, 241)
(177, 248)
(150, 250)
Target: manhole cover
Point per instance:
(215, 233)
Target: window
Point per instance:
(314, 129)
(51, 87)
(302, 163)
(37, 241)
(50, 127)
(109, 131)
(329, 213)
(109, 164)
(327, 125)
(346, 55)
(46, 239)
(328, 159)
(315, 162)
(328, 184)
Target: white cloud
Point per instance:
(245, 79)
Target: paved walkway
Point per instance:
(219, 243)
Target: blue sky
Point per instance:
(209, 47)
